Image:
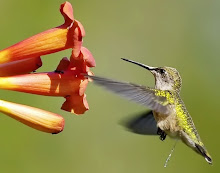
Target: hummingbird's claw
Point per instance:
(162, 134)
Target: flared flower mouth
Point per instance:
(19, 60)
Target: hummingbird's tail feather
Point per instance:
(143, 124)
(204, 153)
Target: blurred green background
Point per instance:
(180, 34)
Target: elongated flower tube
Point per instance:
(65, 36)
(33, 117)
(20, 67)
(48, 84)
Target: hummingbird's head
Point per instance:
(166, 78)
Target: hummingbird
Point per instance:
(168, 115)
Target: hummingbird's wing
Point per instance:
(144, 124)
(139, 94)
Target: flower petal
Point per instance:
(87, 56)
(76, 104)
(33, 117)
(67, 12)
(82, 86)
(63, 65)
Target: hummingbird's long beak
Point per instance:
(140, 64)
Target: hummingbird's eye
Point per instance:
(162, 71)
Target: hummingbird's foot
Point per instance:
(162, 134)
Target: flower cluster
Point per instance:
(19, 60)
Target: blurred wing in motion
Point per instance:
(144, 124)
(139, 94)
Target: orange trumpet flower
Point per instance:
(36, 118)
(65, 36)
(66, 81)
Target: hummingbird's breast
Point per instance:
(168, 123)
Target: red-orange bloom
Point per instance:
(36, 118)
(67, 81)
(68, 35)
